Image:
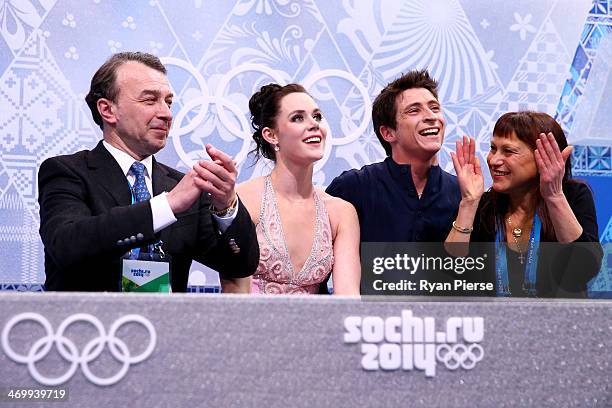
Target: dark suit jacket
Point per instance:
(87, 220)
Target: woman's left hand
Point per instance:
(551, 165)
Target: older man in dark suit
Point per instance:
(97, 205)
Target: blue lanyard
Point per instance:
(131, 192)
(501, 262)
(135, 251)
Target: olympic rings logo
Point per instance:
(68, 350)
(233, 118)
(459, 355)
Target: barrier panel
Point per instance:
(109, 350)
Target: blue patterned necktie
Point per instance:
(139, 189)
(140, 192)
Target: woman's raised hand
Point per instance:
(467, 167)
(551, 165)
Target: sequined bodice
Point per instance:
(275, 272)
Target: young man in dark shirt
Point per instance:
(407, 197)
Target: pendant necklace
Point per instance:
(516, 234)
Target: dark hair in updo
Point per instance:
(265, 106)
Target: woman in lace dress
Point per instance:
(303, 233)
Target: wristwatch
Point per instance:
(225, 212)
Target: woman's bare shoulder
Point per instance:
(336, 205)
(250, 193)
(253, 186)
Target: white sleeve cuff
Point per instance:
(224, 222)
(162, 213)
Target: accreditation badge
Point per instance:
(145, 272)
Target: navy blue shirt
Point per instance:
(389, 207)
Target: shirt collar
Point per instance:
(125, 160)
(401, 173)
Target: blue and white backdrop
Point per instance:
(489, 56)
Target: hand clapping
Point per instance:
(217, 177)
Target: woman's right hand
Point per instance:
(469, 173)
(471, 184)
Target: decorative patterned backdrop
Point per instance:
(490, 57)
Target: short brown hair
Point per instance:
(527, 126)
(384, 108)
(103, 81)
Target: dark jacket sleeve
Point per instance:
(235, 253)
(195, 236)
(71, 228)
